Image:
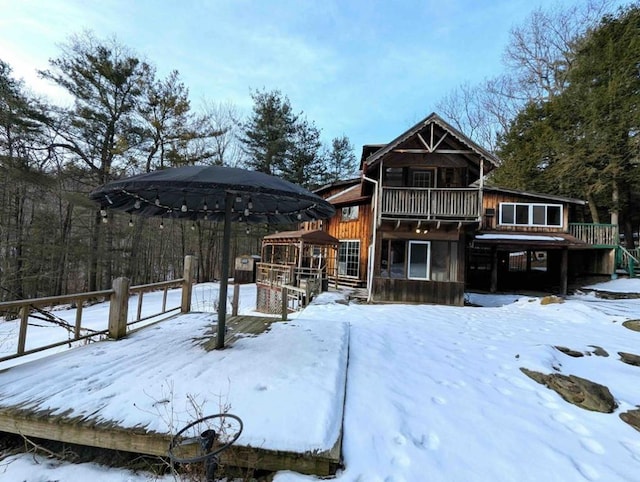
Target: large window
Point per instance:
(349, 258)
(523, 214)
(421, 260)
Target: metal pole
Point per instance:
(224, 280)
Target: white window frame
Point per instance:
(530, 207)
(428, 261)
(349, 213)
(354, 242)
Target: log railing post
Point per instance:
(119, 308)
(22, 335)
(236, 299)
(187, 284)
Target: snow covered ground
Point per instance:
(433, 392)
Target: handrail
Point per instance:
(53, 300)
(117, 299)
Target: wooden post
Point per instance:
(22, 336)
(564, 272)
(76, 332)
(119, 308)
(187, 284)
(494, 270)
(236, 297)
(285, 296)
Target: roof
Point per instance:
(350, 195)
(432, 118)
(308, 237)
(551, 197)
(335, 184)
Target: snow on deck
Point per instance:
(161, 378)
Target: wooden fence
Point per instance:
(595, 234)
(431, 204)
(118, 323)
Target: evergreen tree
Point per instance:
(267, 135)
(341, 160)
(304, 165)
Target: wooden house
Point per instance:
(419, 224)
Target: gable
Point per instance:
(435, 141)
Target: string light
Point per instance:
(193, 227)
(205, 207)
(161, 224)
(130, 222)
(246, 212)
(137, 204)
(250, 204)
(183, 208)
(103, 212)
(299, 216)
(217, 205)
(157, 200)
(105, 220)
(248, 231)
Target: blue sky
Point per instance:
(365, 68)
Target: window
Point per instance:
(419, 260)
(523, 214)
(393, 177)
(350, 213)
(349, 258)
(392, 258)
(423, 178)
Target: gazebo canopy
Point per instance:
(317, 237)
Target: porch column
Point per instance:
(564, 271)
(494, 270)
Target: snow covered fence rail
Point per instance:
(25, 307)
(118, 310)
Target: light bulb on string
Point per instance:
(248, 231)
(205, 208)
(130, 222)
(193, 227)
(103, 212)
(161, 224)
(137, 204)
(184, 208)
(217, 205)
(246, 212)
(250, 204)
(299, 216)
(157, 200)
(105, 220)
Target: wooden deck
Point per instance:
(240, 327)
(62, 425)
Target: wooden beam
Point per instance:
(424, 143)
(78, 430)
(435, 151)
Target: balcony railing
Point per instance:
(430, 203)
(595, 234)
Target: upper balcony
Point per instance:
(431, 204)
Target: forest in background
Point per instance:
(563, 117)
(123, 120)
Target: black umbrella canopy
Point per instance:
(201, 192)
(217, 193)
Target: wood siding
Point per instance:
(357, 229)
(492, 200)
(417, 291)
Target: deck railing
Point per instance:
(430, 203)
(595, 234)
(117, 323)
